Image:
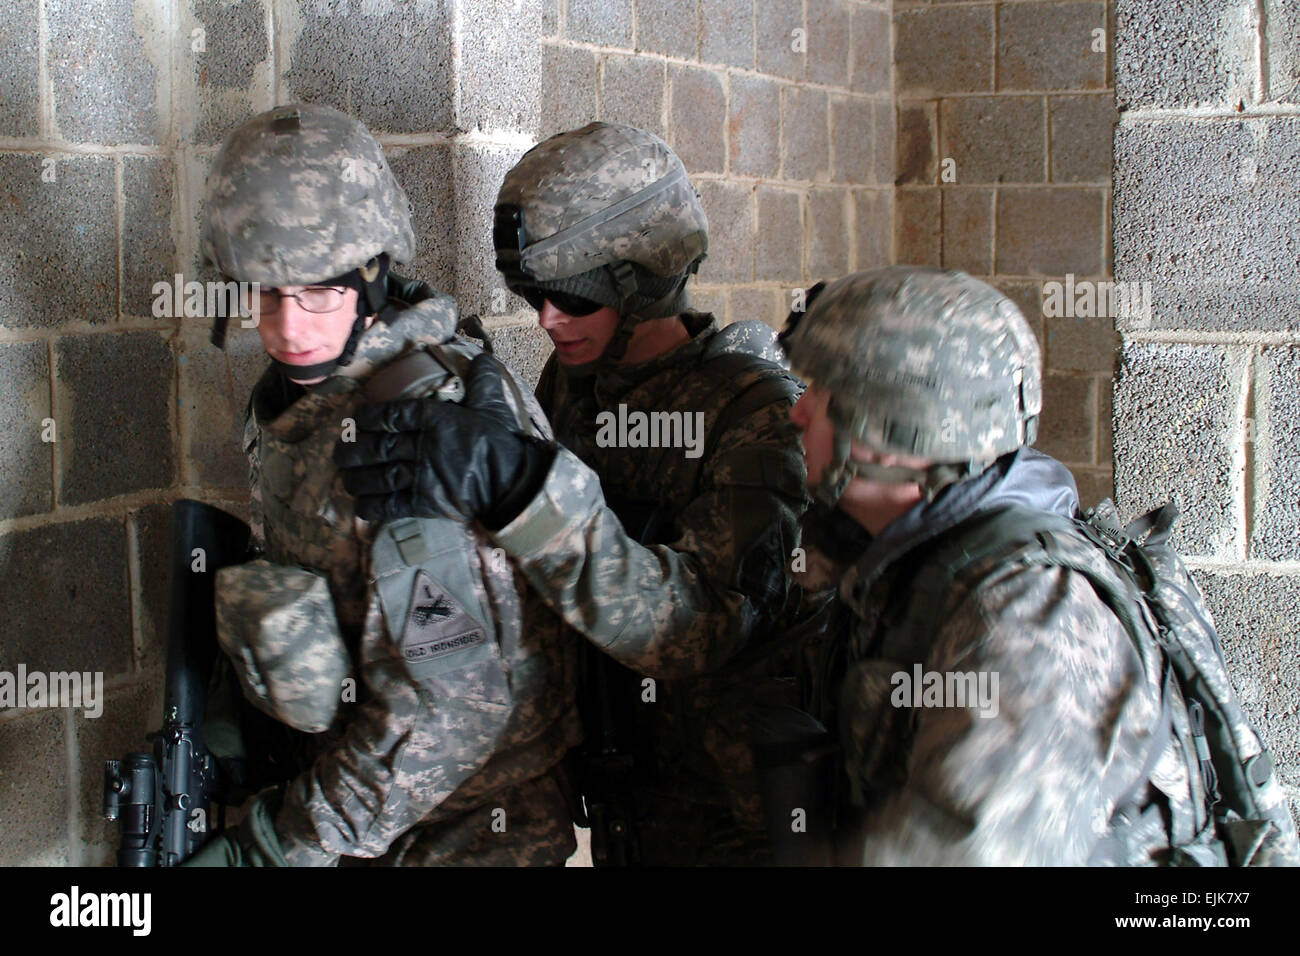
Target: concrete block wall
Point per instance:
(1005, 111)
(110, 114)
(1206, 201)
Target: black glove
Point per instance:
(431, 458)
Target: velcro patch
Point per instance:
(438, 635)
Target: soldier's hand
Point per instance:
(253, 842)
(431, 458)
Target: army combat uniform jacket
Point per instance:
(465, 682)
(1064, 721)
(702, 599)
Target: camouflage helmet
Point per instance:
(920, 362)
(605, 212)
(300, 194)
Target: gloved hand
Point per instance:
(253, 842)
(431, 458)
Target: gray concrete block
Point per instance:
(479, 172)
(828, 233)
(1068, 425)
(633, 92)
(1081, 344)
(806, 151)
(26, 475)
(994, 139)
(569, 80)
(1176, 405)
(390, 67)
(34, 790)
(943, 50)
(227, 65)
(425, 172)
(1189, 197)
(214, 389)
(883, 155)
(872, 53)
(853, 141)
(829, 29)
(1050, 231)
(148, 246)
(604, 22)
(1049, 46)
(727, 32)
(110, 71)
(1082, 137)
(699, 115)
(873, 225)
(756, 304)
(731, 233)
(1255, 616)
(755, 126)
(500, 69)
(113, 405)
(60, 241)
(67, 606)
(781, 38)
(152, 526)
(668, 27)
(1094, 484)
(968, 229)
(525, 348)
(129, 714)
(20, 95)
(917, 227)
(550, 17)
(778, 252)
(1282, 46)
(917, 143)
(1276, 532)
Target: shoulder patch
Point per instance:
(438, 635)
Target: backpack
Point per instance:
(1238, 815)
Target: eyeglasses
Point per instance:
(574, 305)
(314, 298)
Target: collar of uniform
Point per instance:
(619, 379)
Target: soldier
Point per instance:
(1000, 714)
(662, 526)
(442, 746)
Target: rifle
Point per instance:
(161, 800)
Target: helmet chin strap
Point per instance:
(371, 283)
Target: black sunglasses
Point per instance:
(574, 305)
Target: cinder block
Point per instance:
(1094, 484)
(1081, 344)
(1255, 616)
(568, 88)
(757, 304)
(605, 22)
(1068, 425)
(479, 172)
(1282, 41)
(968, 229)
(918, 143)
(550, 18)
(109, 69)
(153, 534)
(425, 172)
(916, 227)
(807, 149)
(778, 253)
(828, 233)
(214, 388)
(1049, 231)
(525, 348)
(668, 27)
(113, 407)
(710, 299)
(26, 476)
(1082, 137)
(828, 42)
(148, 249)
(994, 139)
(1050, 46)
(129, 713)
(853, 140)
(884, 160)
(699, 113)
(20, 97)
(1106, 426)
(223, 51)
(60, 241)
(731, 233)
(633, 92)
(34, 790)
(1029, 299)
(66, 605)
(781, 38)
(1276, 534)
(871, 50)
(727, 32)
(1177, 406)
(500, 71)
(755, 126)
(874, 227)
(943, 50)
(390, 67)
(1179, 53)
(1189, 197)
